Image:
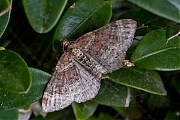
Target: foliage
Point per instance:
(145, 91)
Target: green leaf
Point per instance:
(165, 8)
(155, 54)
(9, 100)
(9, 114)
(4, 20)
(43, 15)
(175, 115)
(14, 72)
(84, 110)
(112, 94)
(86, 15)
(141, 79)
(172, 31)
(5, 6)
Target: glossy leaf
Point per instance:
(14, 72)
(165, 8)
(4, 19)
(141, 79)
(5, 6)
(84, 110)
(43, 15)
(112, 94)
(172, 31)
(9, 114)
(84, 16)
(154, 53)
(10, 100)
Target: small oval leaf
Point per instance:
(166, 8)
(43, 15)
(14, 72)
(9, 100)
(84, 16)
(84, 110)
(154, 53)
(112, 94)
(4, 20)
(141, 79)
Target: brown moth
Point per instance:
(77, 73)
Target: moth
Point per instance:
(78, 71)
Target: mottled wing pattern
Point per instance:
(70, 82)
(77, 73)
(89, 84)
(56, 94)
(108, 44)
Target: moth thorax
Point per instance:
(82, 58)
(77, 53)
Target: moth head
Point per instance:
(65, 45)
